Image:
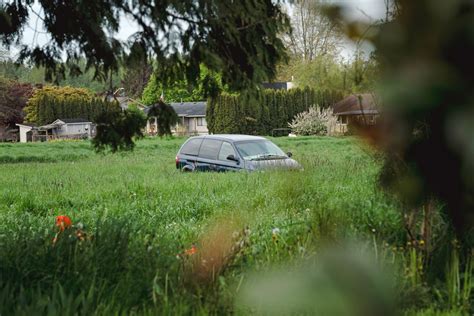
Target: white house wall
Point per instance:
(193, 128)
(23, 131)
(74, 129)
(190, 123)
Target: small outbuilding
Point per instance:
(26, 132)
(76, 128)
(360, 108)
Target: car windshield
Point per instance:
(259, 150)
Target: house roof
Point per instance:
(73, 120)
(186, 109)
(357, 104)
(25, 124)
(189, 108)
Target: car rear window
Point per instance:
(192, 147)
(210, 148)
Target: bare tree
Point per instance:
(314, 34)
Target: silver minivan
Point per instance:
(232, 152)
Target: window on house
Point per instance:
(201, 121)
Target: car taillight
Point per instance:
(177, 162)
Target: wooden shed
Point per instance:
(360, 108)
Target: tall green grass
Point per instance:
(141, 214)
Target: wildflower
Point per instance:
(422, 243)
(275, 232)
(63, 222)
(80, 234)
(191, 251)
(373, 230)
(247, 231)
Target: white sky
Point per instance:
(356, 9)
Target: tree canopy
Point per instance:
(209, 84)
(240, 39)
(13, 98)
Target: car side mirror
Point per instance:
(233, 158)
(289, 154)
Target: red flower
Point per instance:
(63, 222)
(191, 251)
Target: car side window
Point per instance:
(210, 148)
(192, 147)
(226, 150)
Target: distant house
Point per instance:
(77, 128)
(361, 108)
(279, 85)
(192, 119)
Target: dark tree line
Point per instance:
(242, 114)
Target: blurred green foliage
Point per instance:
(427, 85)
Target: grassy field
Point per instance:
(161, 241)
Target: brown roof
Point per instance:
(357, 104)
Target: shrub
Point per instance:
(315, 121)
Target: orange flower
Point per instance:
(191, 251)
(63, 222)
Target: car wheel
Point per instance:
(187, 169)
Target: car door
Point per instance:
(208, 155)
(224, 164)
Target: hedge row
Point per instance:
(51, 102)
(238, 114)
(50, 108)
